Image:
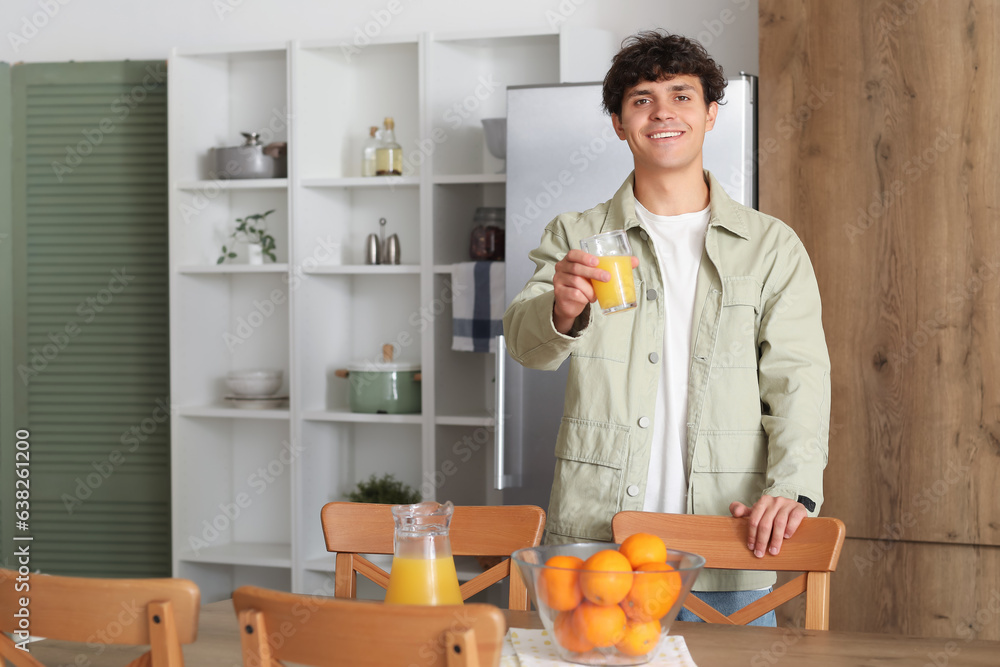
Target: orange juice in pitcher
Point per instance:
(423, 570)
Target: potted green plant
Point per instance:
(253, 231)
(386, 490)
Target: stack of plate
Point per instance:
(255, 390)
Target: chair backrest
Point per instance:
(814, 550)
(476, 530)
(306, 630)
(162, 613)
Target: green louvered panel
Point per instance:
(8, 396)
(93, 298)
(133, 538)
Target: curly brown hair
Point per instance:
(652, 55)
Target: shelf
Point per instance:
(489, 37)
(364, 269)
(328, 563)
(265, 47)
(232, 268)
(445, 269)
(322, 564)
(469, 179)
(237, 184)
(230, 413)
(362, 182)
(360, 417)
(343, 309)
(464, 420)
(338, 44)
(260, 554)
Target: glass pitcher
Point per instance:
(423, 570)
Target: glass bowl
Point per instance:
(577, 607)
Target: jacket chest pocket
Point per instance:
(612, 336)
(737, 342)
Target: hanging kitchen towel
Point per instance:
(478, 303)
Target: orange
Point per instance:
(654, 591)
(640, 638)
(560, 589)
(568, 636)
(601, 625)
(606, 577)
(643, 548)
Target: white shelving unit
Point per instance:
(248, 485)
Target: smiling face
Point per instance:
(664, 123)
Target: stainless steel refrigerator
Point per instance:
(563, 155)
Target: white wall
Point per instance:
(58, 30)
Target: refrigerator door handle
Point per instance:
(498, 421)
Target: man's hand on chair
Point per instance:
(772, 520)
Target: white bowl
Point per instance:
(254, 384)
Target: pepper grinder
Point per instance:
(373, 250)
(390, 247)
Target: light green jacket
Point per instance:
(759, 382)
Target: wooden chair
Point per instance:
(162, 613)
(361, 528)
(326, 631)
(814, 550)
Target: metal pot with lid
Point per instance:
(251, 160)
(383, 387)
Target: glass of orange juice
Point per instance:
(614, 255)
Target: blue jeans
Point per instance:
(729, 602)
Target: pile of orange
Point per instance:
(614, 598)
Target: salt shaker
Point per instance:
(373, 250)
(390, 254)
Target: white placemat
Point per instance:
(536, 648)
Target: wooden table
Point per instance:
(218, 645)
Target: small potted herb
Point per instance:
(385, 490)
(253, 230)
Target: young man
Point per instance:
(711, 397)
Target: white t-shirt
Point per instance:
(678, 241)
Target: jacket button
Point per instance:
(653, 357)
(644, 236)
(632, 490)
(651, 294)
(643, 422)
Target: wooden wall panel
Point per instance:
(934, 590)
(911, 588)
(880, 145)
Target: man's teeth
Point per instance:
(665, 135)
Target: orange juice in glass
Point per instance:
(614, 255)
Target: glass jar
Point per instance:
(487, 241)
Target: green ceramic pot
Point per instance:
(385, 388)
